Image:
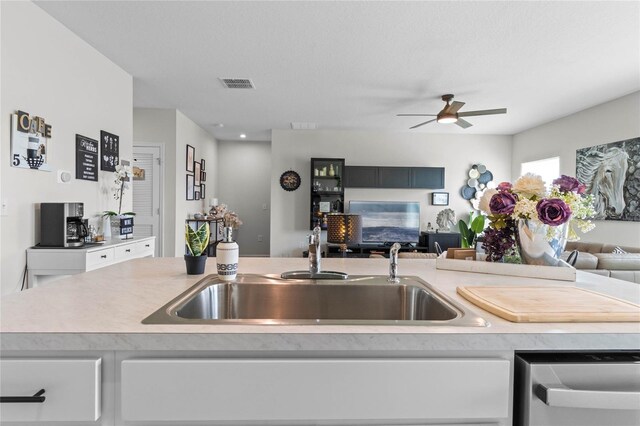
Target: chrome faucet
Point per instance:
(393, 263)
(315, 257)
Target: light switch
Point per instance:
(264, 206)
(4, 208)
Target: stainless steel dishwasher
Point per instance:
(577, 389)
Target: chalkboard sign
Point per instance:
(126, 226)
(109, 151)
(86, 158)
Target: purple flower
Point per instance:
(497, 242)
(569, 184)
(553, 211)
(504, 186)
(503, 203)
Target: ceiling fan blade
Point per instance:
(422, 124)
(416, 115)
(454, 107)
(482, 112)
(463, 123)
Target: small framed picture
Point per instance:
(202, 164)
(197, 173)
(189, 187)
(191, 152)
(204, 177)
(196, 195)
(203, 192)
(440, 198)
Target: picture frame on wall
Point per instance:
(204, 177)
(189, 187)
(196, 173)
(202, 164)
(191, 153)
(196, 195)
(440, 198)
(203, 192)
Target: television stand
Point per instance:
(365, 250)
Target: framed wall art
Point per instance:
(189, 187)
(29, 142)
(202, 165)
(86, 158)
(197, 173)
(109, 151)
(191, 154)
(440, 198)
(203, 192)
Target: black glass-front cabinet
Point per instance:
(327, 189)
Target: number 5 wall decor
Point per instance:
(29, 142)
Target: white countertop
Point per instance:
(103, 310)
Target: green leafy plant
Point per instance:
(469, 233)
(197, 240)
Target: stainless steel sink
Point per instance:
(269, 299)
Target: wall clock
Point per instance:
(290, 180)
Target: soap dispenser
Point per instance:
(227, 256)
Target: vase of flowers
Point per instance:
(121, 182)
(534, 223)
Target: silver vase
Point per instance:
(540, 244)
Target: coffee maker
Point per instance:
(62, 225)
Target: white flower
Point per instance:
(525, 209)
(529, 186)
(485, 199)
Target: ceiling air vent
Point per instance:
(237, 83)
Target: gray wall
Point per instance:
(608, 122)
(244, 175)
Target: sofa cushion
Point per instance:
(621, 262)
(585, 260)
(633, 276)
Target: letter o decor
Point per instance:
(290, 180)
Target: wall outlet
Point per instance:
(264, 206)
(4, 207)
(260, 238)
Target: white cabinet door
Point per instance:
(72, 389)
(314, 389)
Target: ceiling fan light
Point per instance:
(447, 118)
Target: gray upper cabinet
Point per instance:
(427, 177)
(361, 177)
(394, 177)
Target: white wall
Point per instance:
(48, 71)
(151, 125)
(608, 122)
(244, 173)
(206, 146)
(292, 149)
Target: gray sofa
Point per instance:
(599, 259)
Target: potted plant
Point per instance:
(112, 219)
(469, 233)
(197, 243)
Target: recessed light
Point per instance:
(242, 136)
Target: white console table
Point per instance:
(69, 261)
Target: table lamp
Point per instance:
(344, 229)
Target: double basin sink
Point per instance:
(357, 300)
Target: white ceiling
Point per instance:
(354, 65)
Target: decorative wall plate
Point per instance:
(290, 180)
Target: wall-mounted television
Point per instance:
(388, 221)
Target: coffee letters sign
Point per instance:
(29, 142)
(86, 158)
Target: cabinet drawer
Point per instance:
(72, 389)
(99, 257)
(314, 389)
(127, 251)
(145, 248)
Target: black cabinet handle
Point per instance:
(38, 397)
(128, 250)
(147, 245)
(104, 256)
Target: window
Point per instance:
(548, 168)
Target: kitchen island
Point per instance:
(97, 316)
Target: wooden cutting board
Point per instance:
(550, 304)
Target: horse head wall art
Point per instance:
(611, 173)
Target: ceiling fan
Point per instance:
(450, 114)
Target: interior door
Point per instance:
(146, 193)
